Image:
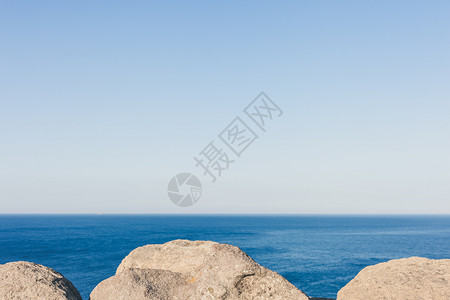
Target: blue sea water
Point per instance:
(318, 254)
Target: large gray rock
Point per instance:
(184, 269)
(142, 284)
(26, 280)
(407, 278)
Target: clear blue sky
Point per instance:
(102, 103)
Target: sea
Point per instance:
(317, 253)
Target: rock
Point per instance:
(407, 278)
(184, 269)
(26, 280)
(143, 284)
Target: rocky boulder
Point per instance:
(143, 284)
(26, 280)
(407, 278)
(183, 269)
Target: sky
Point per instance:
(103, 102)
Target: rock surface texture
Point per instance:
(25, 280)
(407, 278)
(184, 270)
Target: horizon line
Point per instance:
(224, 214)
